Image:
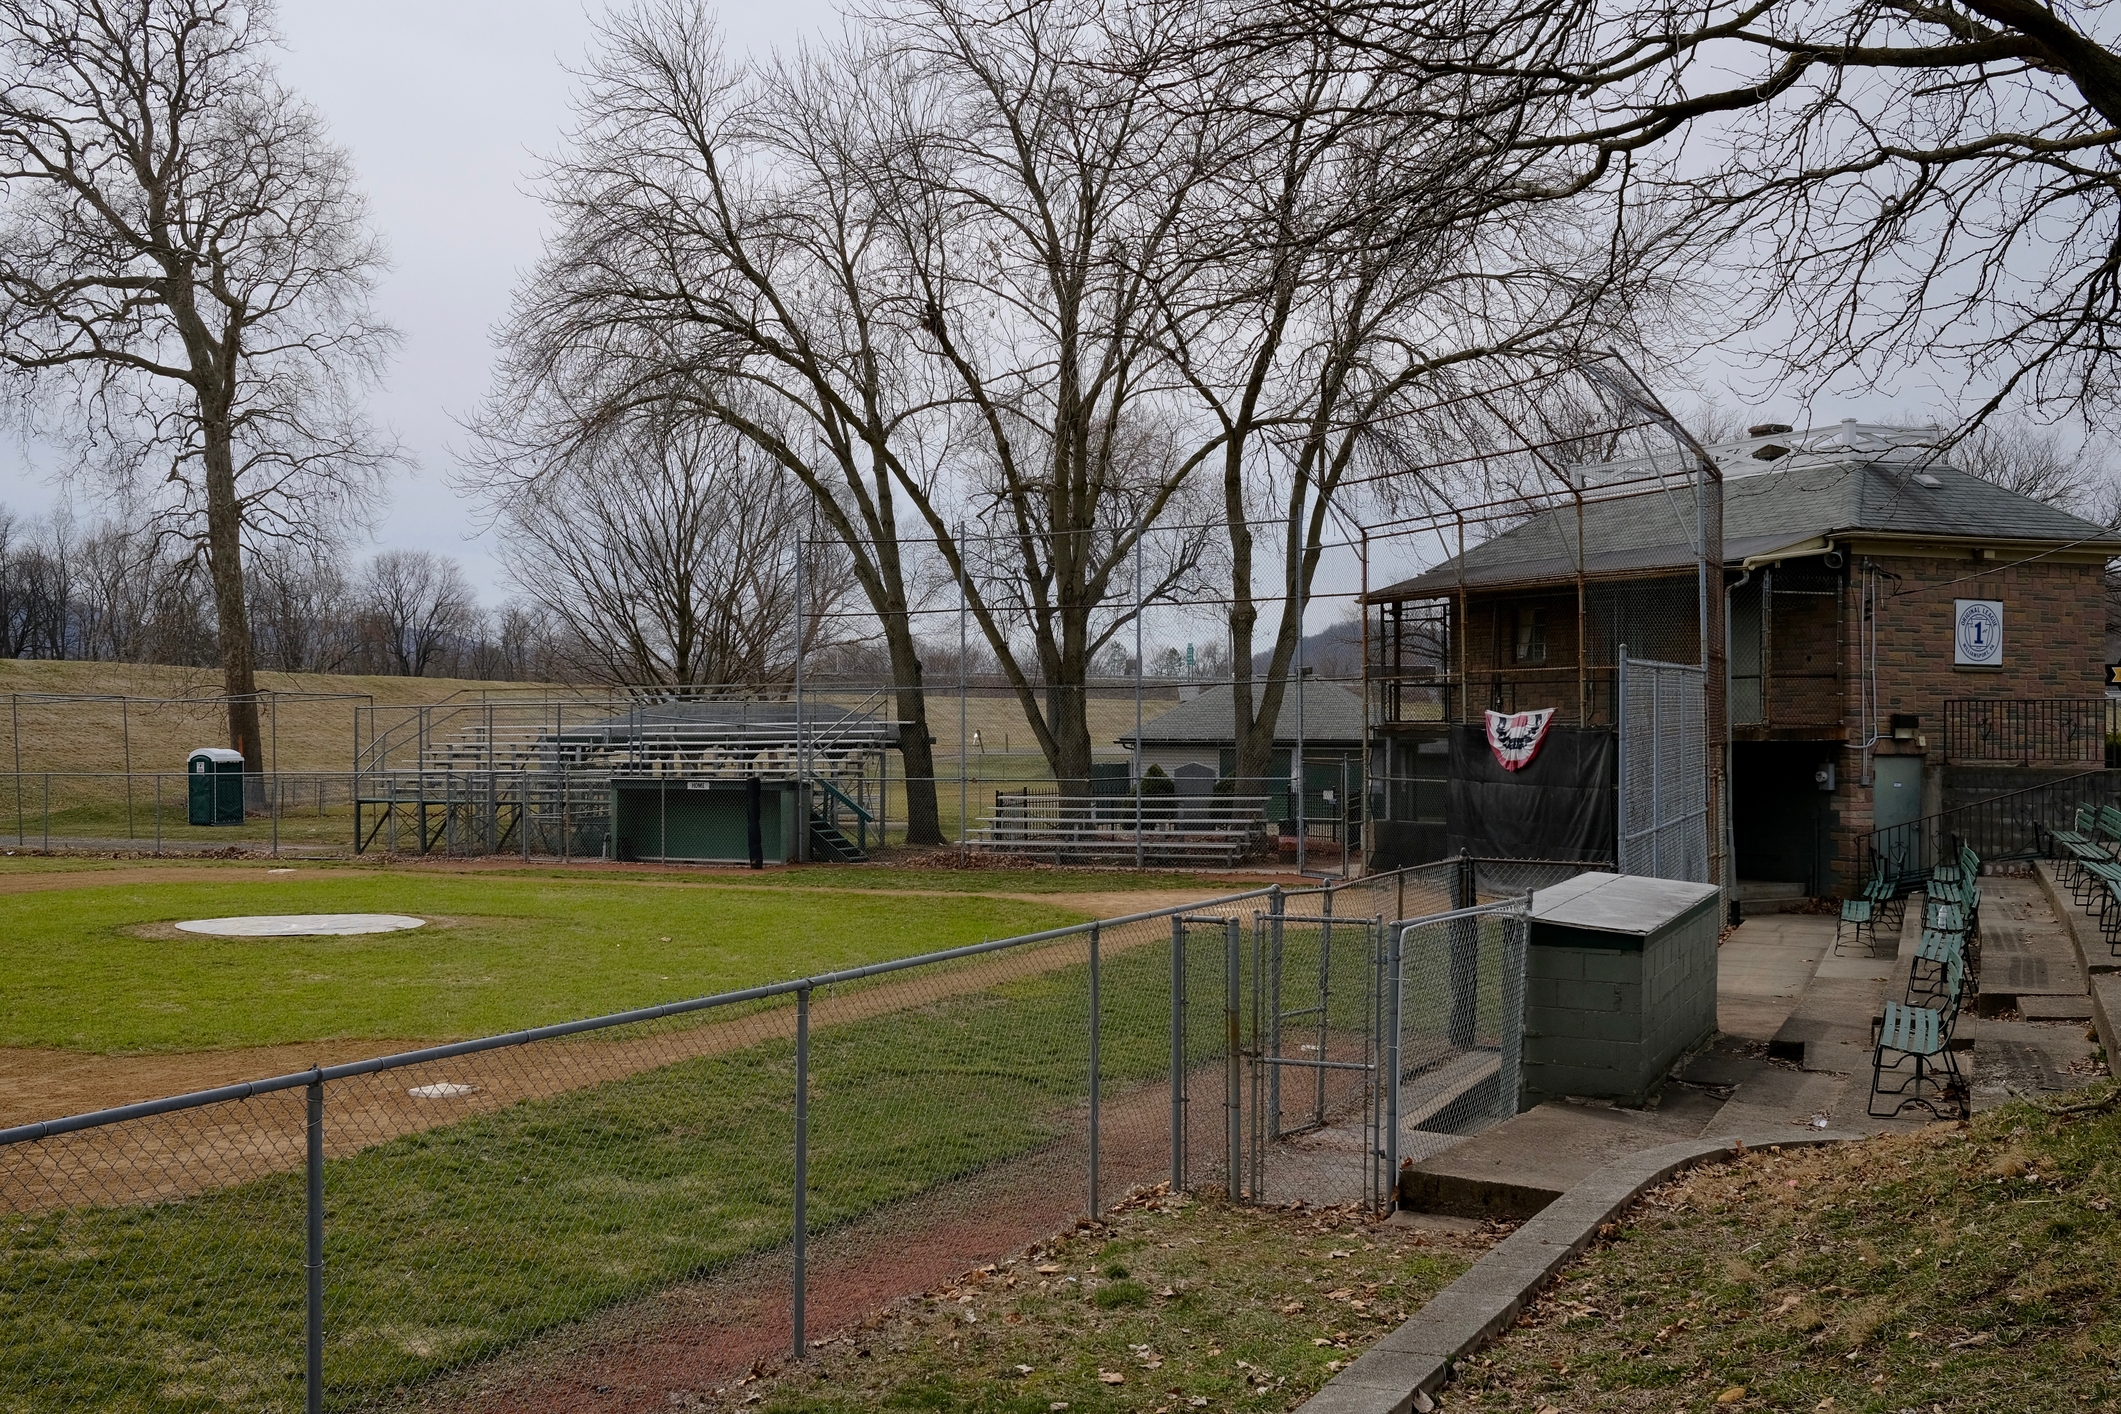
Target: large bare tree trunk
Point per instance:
(916, 745)
(224, 562)
(190, 265)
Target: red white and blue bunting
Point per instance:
(1515, 737)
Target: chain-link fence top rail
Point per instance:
(1422, 890)
(477, 1195)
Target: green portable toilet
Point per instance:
(215, 775)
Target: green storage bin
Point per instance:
(215, 777)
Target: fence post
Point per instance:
(802, 1155)
(1233, 1093)
(1463, 935)
(1394, 963)
(313, 1266)
(1095, 1081)
(47, 812)
(1273, 1046)
(1516, 937)
(1325, 983)
(1178, 1054)
(158, 812)
(1258, 1141)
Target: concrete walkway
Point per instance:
(1794, 1052)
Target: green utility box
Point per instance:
(215, 777)
(689, 820)
(1620, 980)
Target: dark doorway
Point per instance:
(1782, 820)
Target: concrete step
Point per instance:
(1515, 1168)
(1758, 896)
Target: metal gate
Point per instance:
(1453, 1033)
(1351, 1042)
(1664, 769)
(1316, 984)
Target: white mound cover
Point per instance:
(302, 925)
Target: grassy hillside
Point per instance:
(318, 735)
(100, 736)
(1963, 1267)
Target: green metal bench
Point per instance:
(2107, 831)
(1919, 1038)
(1880, 906)
(1859, 916)
(1926, 978)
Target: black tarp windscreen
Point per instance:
(1560, 806)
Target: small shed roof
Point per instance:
(1761, 514)
(1332, 715)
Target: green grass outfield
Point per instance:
(86, 968)
(454, 1244)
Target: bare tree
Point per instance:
(669, 551)
(1365, 259)
(1033, 183)
(714, 252)
(186, 266)
(518, 645)
(37, 586)
(303, 609)
(2038, 462)
(418, 607)
(1900, 182)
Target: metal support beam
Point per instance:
(313, 1261)
(802, 1157)
(1095, 1076)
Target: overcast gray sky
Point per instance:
(444, 108)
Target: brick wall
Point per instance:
(2054, 635)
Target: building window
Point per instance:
(1530, 639)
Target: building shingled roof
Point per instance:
(1761, 514)
(1331, 714)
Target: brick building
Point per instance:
(1865, 586)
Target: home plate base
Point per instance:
(301, 925)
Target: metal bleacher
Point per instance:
(1197, 831)
(534, 776)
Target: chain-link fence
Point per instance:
(1454, 1026)
(1664, 777)
(753, 1166)
(338, 1237)
(1341, 986)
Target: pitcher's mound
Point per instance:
(301, 925)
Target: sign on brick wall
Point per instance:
(1977, 633)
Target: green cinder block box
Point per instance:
(1622, 981)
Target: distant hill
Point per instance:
(1333, 652)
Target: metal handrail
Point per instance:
(843, 798)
